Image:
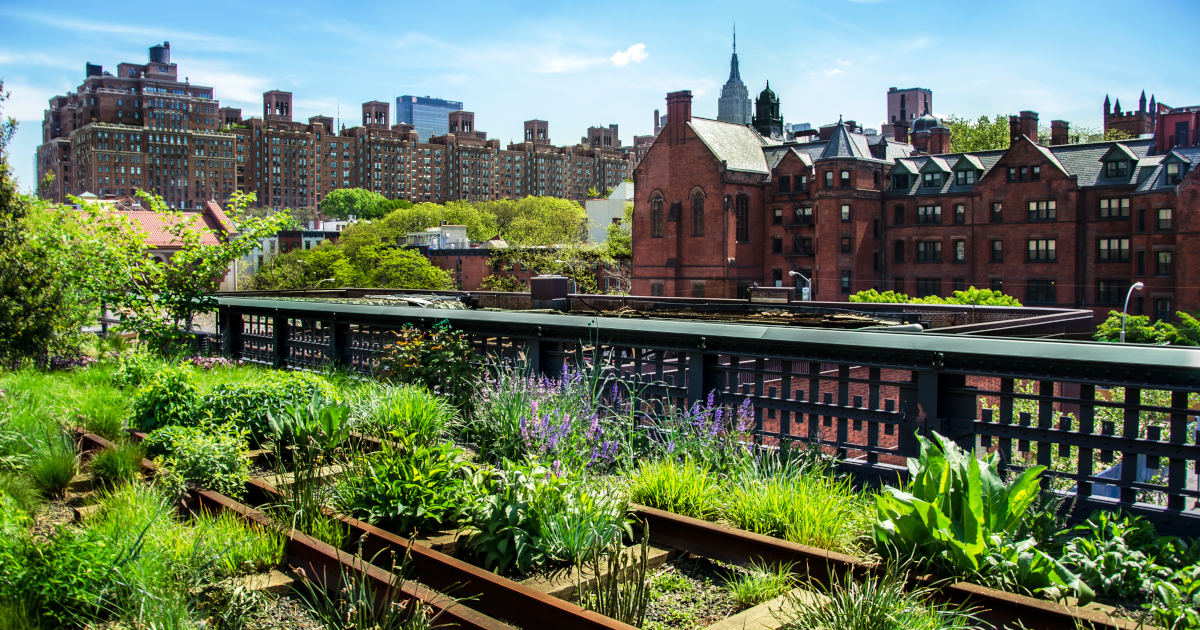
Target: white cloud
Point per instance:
(133, 32)
(844, 62)
(228, 83)
(28, 103)
(9, 58)
(635, 53)
(833, 71)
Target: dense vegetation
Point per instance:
(972, 295)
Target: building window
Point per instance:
(785, 184)
(1108, 292)
(1040, 292)
(1042, 210)
(997, 212)
(1022, 173)
(1040, 250)
(1035, 173)
(997, 284)
(845, 244)
(927, 215)
(960, 251)
(964, 178)
(1116, 168)
(802, 246)
(1140, 262)
(845, 213)
(900, 182)
(1172, 174)
(777, 277)
(1113, 250)
(1164, 219)
(960, 214)
(829, 179)
(1141, 220)
(960, 284)
(898, 215)
(929, 251)
(777, 216)
(1114, 208)
(1162, 309)
(997, 250)
(776, 245)
(898, 284)
(1012, 173)
(845, 282)
(845, 179)
(656, 289)
(742, 218)
(1162, 263)
(898, 252)
(803, 216)
(930, 180)
(656, 217)
(697, 213)
(929, 286)
(697, 289)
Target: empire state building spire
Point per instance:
(734, 104)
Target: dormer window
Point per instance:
(964, 178)
(1174, 173)
(929, 180)
(785, 184)
(1116, 168)
(900, 182)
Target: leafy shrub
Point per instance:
(439, 359)
(236, 546)
(213, 457)
(759, 583)
(20, 490)
(817, 508)
(167, 398)
(680, 486)
(529, 517)
(52, 466)
(319, 425)
(134, 370)
(248, 404)
(415, 488)
(121, 464)
(1108, 555)
(408, 410)
(1176, 604)
(959, 516)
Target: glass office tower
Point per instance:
(429, 116)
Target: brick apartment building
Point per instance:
(720, 208)
(144, 129)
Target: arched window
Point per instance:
(697, 212)
(656, 216)
(741, 213)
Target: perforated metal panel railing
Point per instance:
(1116, 426)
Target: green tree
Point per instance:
(983, 297)
(344, 202)
(1138, 329)
(982, 134)
(401, 268)
(887, 297)
(541, 221)
(619, 236)
(323, 266)
(502, 282)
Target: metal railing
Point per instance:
(1116, 425)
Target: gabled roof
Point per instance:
(1175, 156)
(1118, 152)
(738, 146)
(156, 226)
(968, 162)
(1156, 179)
(845, 145)
(935, 164)
(1086, 161)
(905, 166)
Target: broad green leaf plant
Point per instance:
(958, 514)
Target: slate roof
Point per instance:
(739, 146)
(1154, 178)
(916, 164)
(775, 154)
(1083, 161)
(845, 145)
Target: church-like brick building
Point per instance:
(720, 208)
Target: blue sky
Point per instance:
(577, 64)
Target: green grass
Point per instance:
(761, 582)
(872, 604)
(814, 509)
(119, 465)
(404, 410)
(52, 466)
(238, 548)
(688, 487)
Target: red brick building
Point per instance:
(720, 208)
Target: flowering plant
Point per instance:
(707, 432)
(439, 358)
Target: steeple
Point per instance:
(767, 120)
(1142, 102)
(1107, 104)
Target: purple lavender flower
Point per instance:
(745, 416)
(556, 468)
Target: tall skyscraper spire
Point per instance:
(734, 104)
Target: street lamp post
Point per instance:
(1137, 286)
(808, 283)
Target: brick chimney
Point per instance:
(1058, 131)
(939, 140)
(1014, 129)
(1029, 125)
(679, 114)
(900, 130)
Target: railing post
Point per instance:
(545, 357)
(279, 354)
(338, 334)
(230, 326)
(945, 406)
(702, 376)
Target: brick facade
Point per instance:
(1068, 225)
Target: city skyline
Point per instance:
(549, 63)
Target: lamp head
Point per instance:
(1138, 286)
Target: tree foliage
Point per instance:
(972, 295)
(1138, 329)
(981, 134)
(346, 202)
(329, 265)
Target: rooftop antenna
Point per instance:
(735, 37)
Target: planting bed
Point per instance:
(529, 522)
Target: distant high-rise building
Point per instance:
(429, 116)
(734, 104)
(903, 107)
